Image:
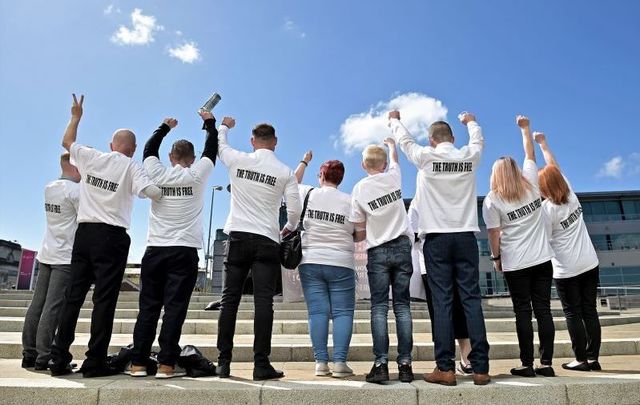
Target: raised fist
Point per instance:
(394, 114)
(539, 137)
(205, 115)
(466, 117)
(76, 107)
(229, 122)
(308, 156)
(171, 122)
(390, 142)
(522, 121)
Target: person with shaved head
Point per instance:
(109, 183)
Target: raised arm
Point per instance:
(226, 153)
(476, 140)
(302, 166)
(71, 133)
(527, 141)
(541, 139)
(152, 147)
(211, 142)
(415, 153)
(393, 152)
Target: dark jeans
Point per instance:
(261, 255)
(43, 314)
(99, 256)
(531, 287)
(168, 275)
(452, 263)
(460, 330)
(578, 296)
(391, 264)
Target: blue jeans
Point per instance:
(329, 292)
(391, 264)
(452, 262)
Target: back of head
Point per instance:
(553, 185)
(440, 131)
(264, 136)
(332, 171)
(374, 157)
(182, 152)
(507, 180)
(68, 169)
(124, 141)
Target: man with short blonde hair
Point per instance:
(374, 157)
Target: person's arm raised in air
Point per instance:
(415, 153)
(226, 153)
(71, 133)
(211, 142)
(152, 147)
(476, 139)
(302, 166)
(527, 141)
(549, 158)
(393, 152)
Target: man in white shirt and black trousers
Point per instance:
(109, 183)
(170, 263)
(259, 181)
(447, 202)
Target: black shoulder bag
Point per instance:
(291, 245)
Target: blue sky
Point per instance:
(307, 67)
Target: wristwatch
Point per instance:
(495, 259)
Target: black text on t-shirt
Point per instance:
(326, 216)
(524, 210)
(573, 217)
(385, 200)
(102, 183)
(55, 208)
(186, 191)
(452, 167)
(256, 176)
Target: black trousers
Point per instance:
(460, 330)
(261, 255)
(99, 256)
(168, 275)
(578, 296)
(531, 288)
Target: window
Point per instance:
(483, 247)
(602, 211)
(625, 241)
(631, 209)
(600, 242)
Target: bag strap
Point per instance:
(304, 209)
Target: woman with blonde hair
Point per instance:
(520, 248)
(575, 265)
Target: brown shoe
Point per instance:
(137, 371)
(441, 377)
(165, 371)
(481, 379)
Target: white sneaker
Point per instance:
(322, 369)
(341, 370)
(136, 371)
(165, 372)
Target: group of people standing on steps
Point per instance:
(532, 241)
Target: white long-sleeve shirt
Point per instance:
(259, 181)
(61, 200)
(446, 183)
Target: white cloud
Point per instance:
(188, 52)
(110, 9)
(418, 111)
(612, 168)
(141, 33)
(294, 28)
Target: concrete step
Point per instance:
(618, 384)
(296, 327)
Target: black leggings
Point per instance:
(578, 296)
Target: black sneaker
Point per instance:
(58, 369)
(261, 373)
(379, 373)
(28, 362)
(224, 369)
(526, 371)
(465, 369)
(546, 371)
(405, 373)
(579, 367)
(41, 366)
(595, 365)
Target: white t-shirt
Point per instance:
(569, 238)
(417, 252)
(377, 199)
(523, 239)
(61, 198)
(328, 235)
(259, 181)
(109, 183)
(446, 182)
(176, 220)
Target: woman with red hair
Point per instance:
(575, 266)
